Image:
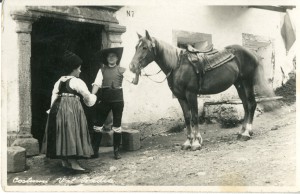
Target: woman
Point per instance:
(67, 136)
(110, 79)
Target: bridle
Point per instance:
(140, 68)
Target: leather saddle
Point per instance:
(207, 49)
(206, 60)
(213, 58)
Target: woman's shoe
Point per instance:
(85, 171)
(75, 165)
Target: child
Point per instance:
(110, 79)
(67, 136)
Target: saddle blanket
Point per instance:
(208, 61)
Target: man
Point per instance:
(109, 80)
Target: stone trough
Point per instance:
(230, 113)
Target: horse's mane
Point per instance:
(168, 54)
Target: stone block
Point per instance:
(131, 140)
(231, 115)
(212, 112)
(30, 144)
(16, 159)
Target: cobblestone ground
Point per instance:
(267, 159)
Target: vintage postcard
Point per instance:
(168, 96)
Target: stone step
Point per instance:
(16, 159)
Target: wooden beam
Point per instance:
(274, 8)
(238, 101)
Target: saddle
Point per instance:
(206, 59)
(207, 49)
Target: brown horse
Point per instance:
(244, 71)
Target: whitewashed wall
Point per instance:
(9, 71)
(150, 101)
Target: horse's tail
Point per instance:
(262, 88)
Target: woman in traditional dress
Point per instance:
(67, 136)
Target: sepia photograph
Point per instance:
(156, 96)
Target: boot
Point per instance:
(117, 141)
(96, 143)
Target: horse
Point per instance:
(244, 71)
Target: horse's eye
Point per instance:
(144, 48)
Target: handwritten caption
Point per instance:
(64, 180)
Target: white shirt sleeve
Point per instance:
(98, 79)
(128, 76)
(79, 86)
(55, 92)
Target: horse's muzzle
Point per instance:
(133, 68)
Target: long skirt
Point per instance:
(66, 133)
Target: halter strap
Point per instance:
(163, 79)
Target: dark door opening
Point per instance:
(50, 38)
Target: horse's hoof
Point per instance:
(250, 133)
(185, 147)
(239, 136)
(244, 138)
(195, 148)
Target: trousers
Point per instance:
(103, 109)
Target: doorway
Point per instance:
(50, 38)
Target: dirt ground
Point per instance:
(267, 159)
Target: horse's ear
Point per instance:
(148, 36)
(140, 36)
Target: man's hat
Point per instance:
(104, 53)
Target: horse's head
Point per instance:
(144, 53)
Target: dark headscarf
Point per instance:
(70, 61)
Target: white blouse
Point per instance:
(79, 86)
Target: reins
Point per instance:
(149, 75)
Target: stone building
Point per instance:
(258, 28)
(33, 36)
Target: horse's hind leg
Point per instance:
(242, 94)
(246, 93)
(193, 104)
(249, 89)
(187, 117)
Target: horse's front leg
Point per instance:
(193, 104)
(187, 117)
